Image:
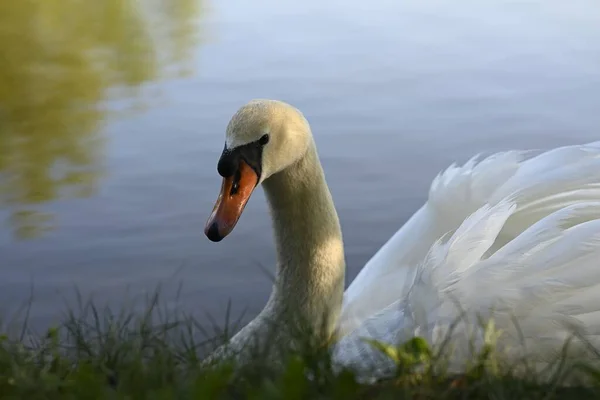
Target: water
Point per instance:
(109, 168)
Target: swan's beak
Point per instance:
(235, 193)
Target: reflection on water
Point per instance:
(395, 91)
(61, 60)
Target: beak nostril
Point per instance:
(236, 183)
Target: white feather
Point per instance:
(508, 236)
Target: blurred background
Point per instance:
(112, 119)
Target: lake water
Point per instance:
(114, 118)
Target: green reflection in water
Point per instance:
(59, 61)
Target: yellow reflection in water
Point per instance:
(59, 60)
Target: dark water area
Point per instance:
(110, 137)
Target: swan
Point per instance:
(515, 235)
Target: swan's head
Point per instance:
(263, 138)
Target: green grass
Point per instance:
(154, 354)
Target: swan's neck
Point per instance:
(309, 282)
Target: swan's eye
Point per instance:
(264, 139)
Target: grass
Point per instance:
(154, 354)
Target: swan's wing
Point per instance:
(454, 194)
(418, 305)
(548, 278)
(538, 185)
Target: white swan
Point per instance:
(515, 232)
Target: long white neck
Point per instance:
(309, 283)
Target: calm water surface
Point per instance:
(110, 137)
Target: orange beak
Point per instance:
(235, 193)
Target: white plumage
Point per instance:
(516, 235)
